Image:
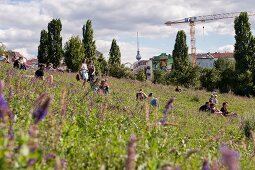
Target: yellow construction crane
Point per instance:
(198, 19)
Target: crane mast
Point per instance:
(198, 19)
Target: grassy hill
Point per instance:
(79, 132)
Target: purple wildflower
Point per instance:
(3, 104)
(229, 158)
(41, 111)
(10, 133)
(49, 156)
(169, 105)
(205, 165)
(31, 162)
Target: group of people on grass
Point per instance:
(210, 106)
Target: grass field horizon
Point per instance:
(82, 133)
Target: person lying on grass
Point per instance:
(225, 111)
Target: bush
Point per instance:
(210, 79)
(118, 71)
(140, 75)
(248, 126)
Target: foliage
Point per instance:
(88, 42)
(43, 48)
(74, 53)
(115, 55)
(159, 76)
(101, 65)
(2, 49)
(244, 43)
(210, 78)
(226, 68)
(180, 52)
(140, 75)
(248, 126)
(189, 77)
(243, 83)
(118, 71)
(55, 52)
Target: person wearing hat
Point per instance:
(40, 72)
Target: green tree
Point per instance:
(180, 52)
(210, 78)
(115, 55)
(244, 56)
(244, 43)
(226, 68)
(55, 52)
(140, 75)
(2, 49)
(74, 53)
(101, 65)
(88, 42)
(43, 48)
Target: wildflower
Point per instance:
(205, 165)
(49, 156)
(229, 158)
(3, 104)
(130, 162)
(169, 105)
(41, 111)
(31, 162)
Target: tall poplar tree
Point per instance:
(180, 52)
(244, 42)
(115, 55)
(88, 42)
(55, 52)
(74, 53)
(43, 48)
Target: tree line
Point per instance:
(76, 50)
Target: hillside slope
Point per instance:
(82, 131)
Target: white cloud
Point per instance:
(22, 21)
(226, 48)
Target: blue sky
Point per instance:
(22, 21)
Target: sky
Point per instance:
(21, 22)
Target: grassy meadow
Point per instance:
(83, 130)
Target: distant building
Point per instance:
(206, 60)
(161, 62)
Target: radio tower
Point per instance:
(138, 56)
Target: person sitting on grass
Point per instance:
(205, 107)
(104, 87)
(214, 110)
(95, 85)
(225, 111)
(153, 101)
(40, 72)
(140, 96)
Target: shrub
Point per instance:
(248, 126)
(210, 79)
(140, 75)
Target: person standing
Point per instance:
(91, 71)
(84, 71)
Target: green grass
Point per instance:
(78, 133)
